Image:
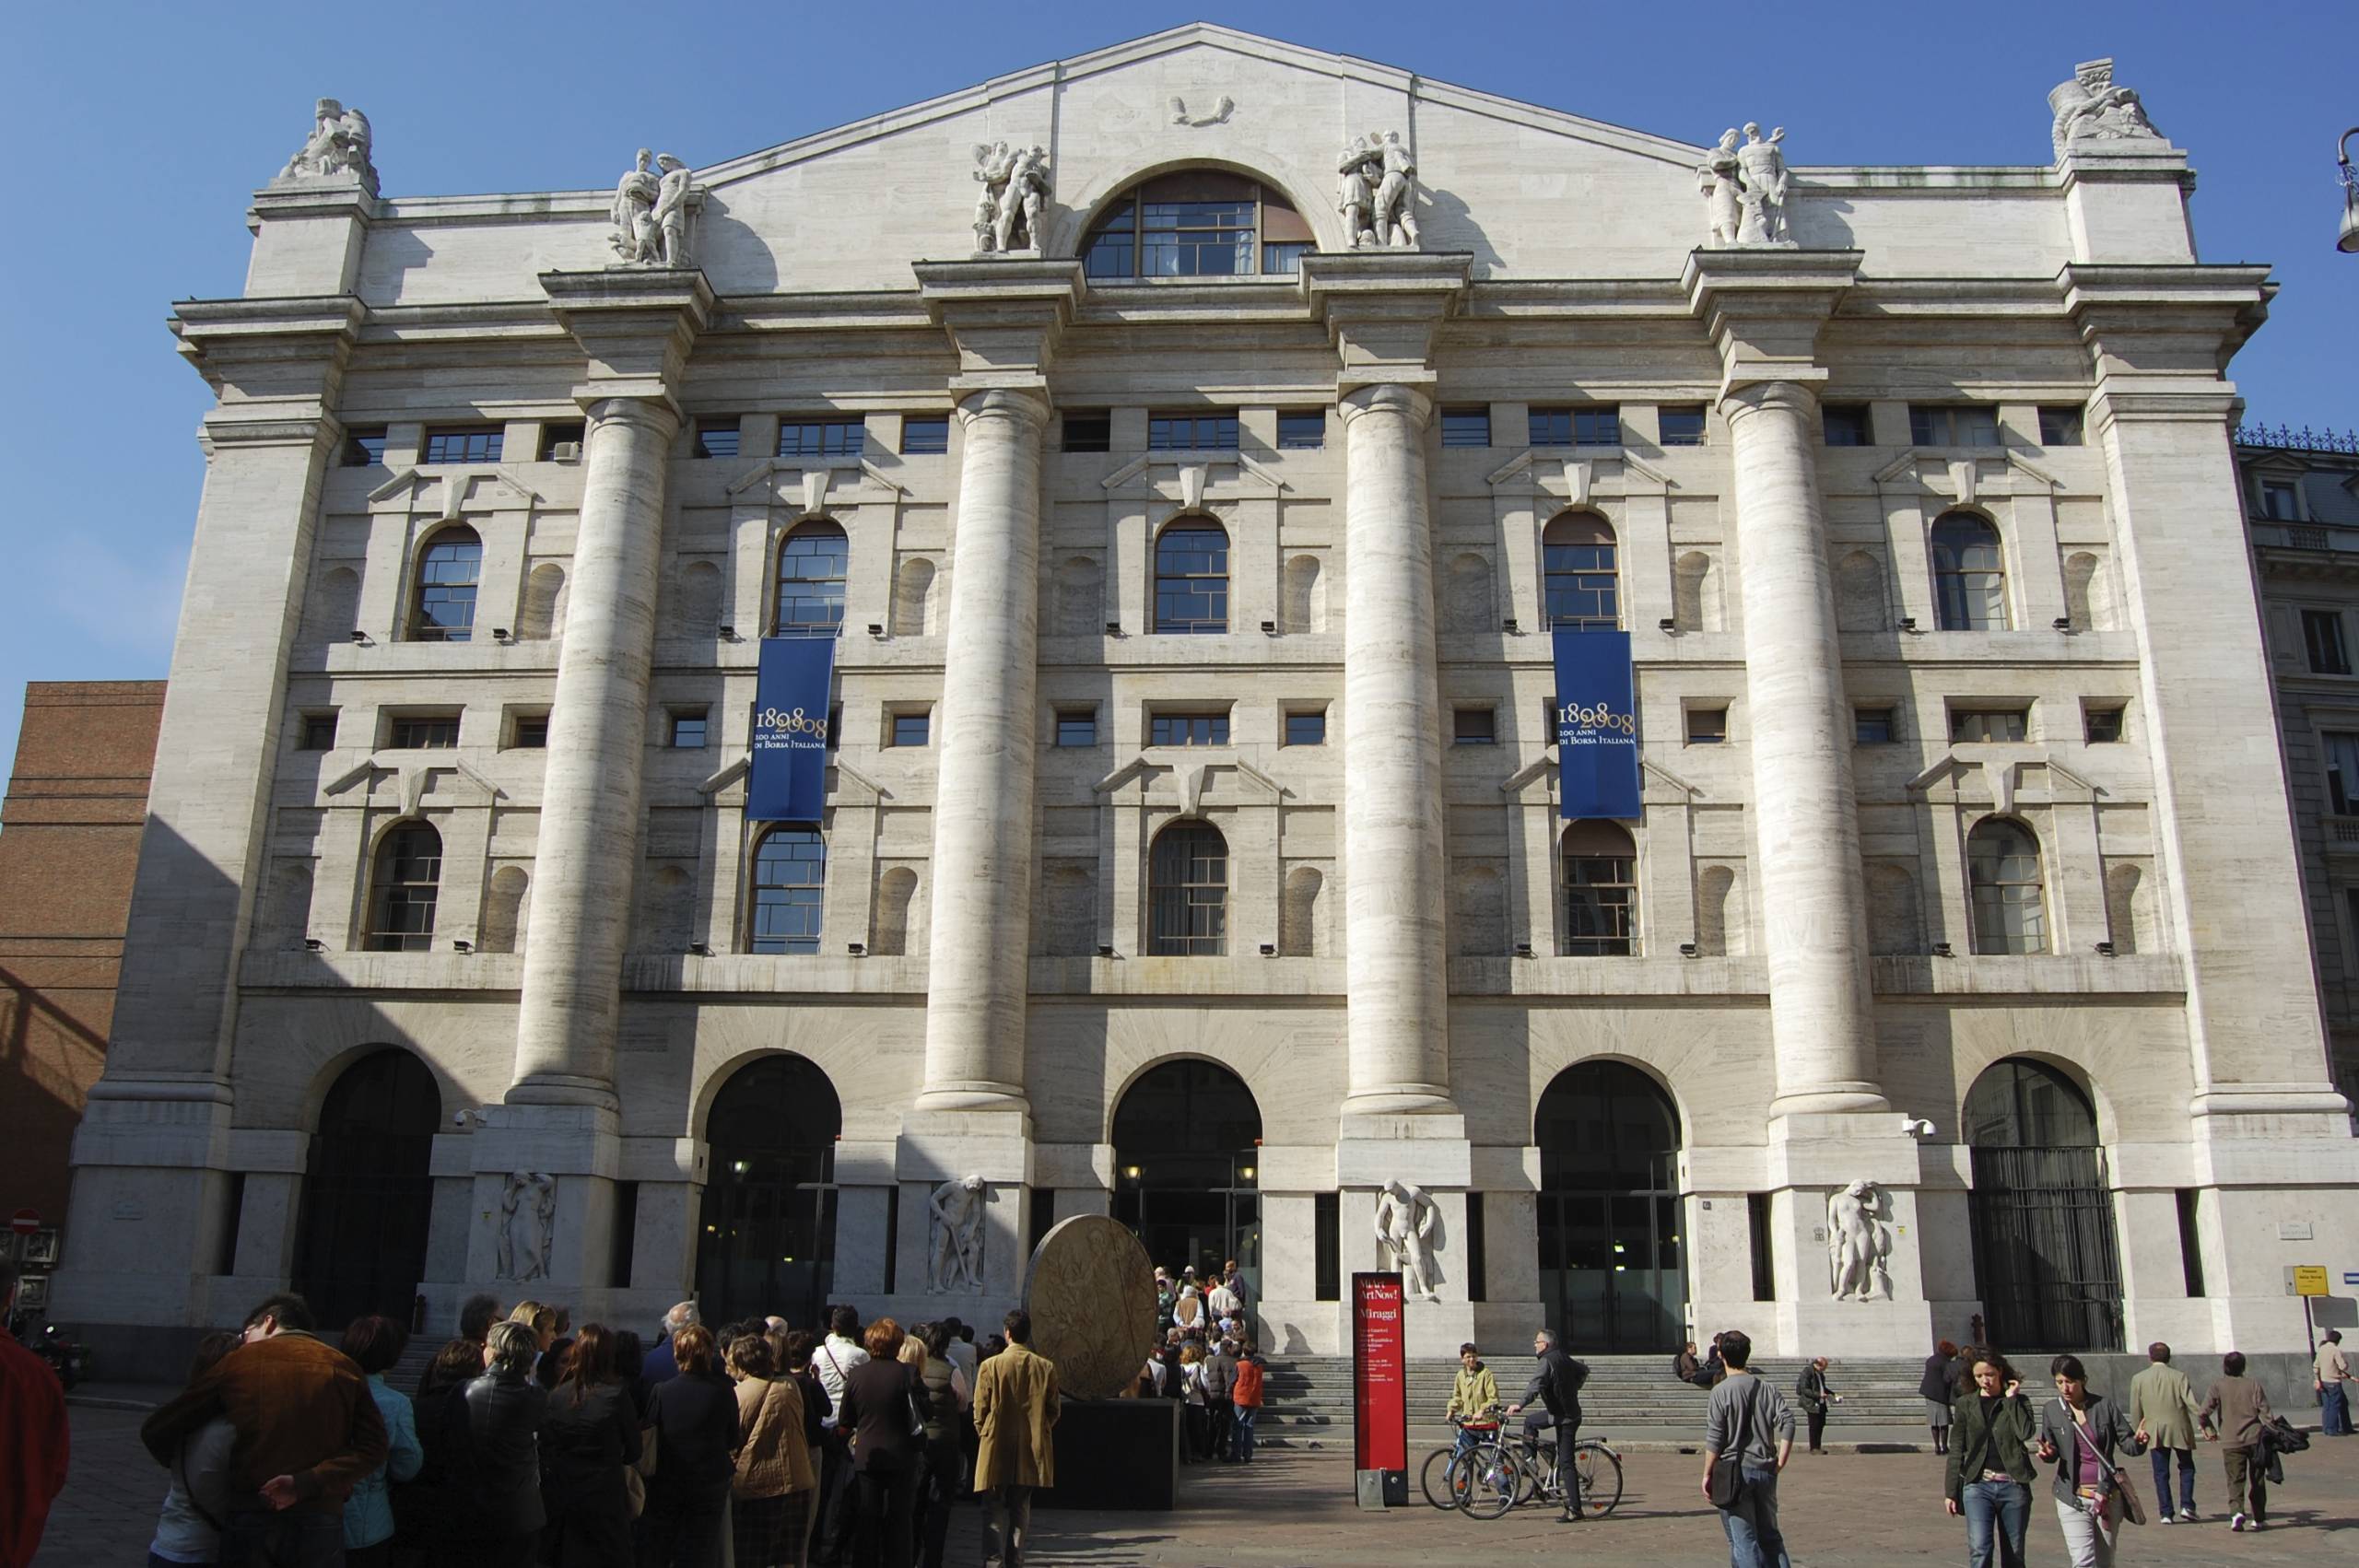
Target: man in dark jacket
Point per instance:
(307, 1428)
(1556, 1387)
(504, 1410)
(1220, 1379)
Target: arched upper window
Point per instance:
(1197, 223)
(402, 891)
(812, 565)
(1192, 578)
(790, 879)
(442, 609)
(1579, 574)
(1969, 575)
(1187, 877)
(1601, 883)
(2002, 877)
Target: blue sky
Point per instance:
(144, 128)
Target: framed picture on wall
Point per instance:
(41, 1250)
(32, 1292)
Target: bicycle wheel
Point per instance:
(1600, 1470)
(1493, 1481)
(1434, 1478)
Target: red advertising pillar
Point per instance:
(1379, 1392)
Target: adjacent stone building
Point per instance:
(1193, 504)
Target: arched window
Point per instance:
(812, 565)
(368, 1192)
(1969, 575)
(1192, 578)
(2002, 877)
(1188, 892)
(1601, 880)
(1579, 574)
(789, 878)
(402, 893)
(443, 607)
(2045, 1261)
(1197, 223)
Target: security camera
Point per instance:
(1915, 1126)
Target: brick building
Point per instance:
(69, 837)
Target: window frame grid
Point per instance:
(1191, 587)
(1214, 724)
(475, 443)
(402, 907)
(1187, 915)
(836, 438)
(811, 541)
(800, 903)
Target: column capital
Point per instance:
(1798, 397)
(1389, 397)
(1764, 307)
(1026, 406)
(659, 417)
(1382, 309)
(1004, 316)
(635, 324)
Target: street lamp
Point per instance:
(2349, 242)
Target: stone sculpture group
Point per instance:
(1405, 1221)
(337, 147)
(1377, 195)
(1015, 189)
(1744, 188)
(2089, 108)
(651, 213)
(1859, 1243)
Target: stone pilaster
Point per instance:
(150, 1209)
(1765, 309)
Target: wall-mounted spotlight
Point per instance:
(2062, 623)
(1687, 950)
(877, 628)
(360, 638)
(2105, 950)
(857, 949)
(460, 944)
(1113, 629)
(1667, 625)
(1269, 628)
(1105, 950)
(1512, 626)
(1268, 950)
(700, 949)
(313, 945)
(500, 634)
(1941, 949)
(1523, 950)
(728, 633)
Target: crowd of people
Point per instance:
(527, 1440)
(1207, 1360)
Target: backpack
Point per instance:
(1676, 1371)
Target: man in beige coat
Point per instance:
(2163, 1409)
(1015, 1415)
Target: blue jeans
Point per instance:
(2006, 1504)
(2162, 1458)
(1241, 1436)
(296, 1538)
(1754, 1540)
(2334, 1411)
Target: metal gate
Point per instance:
(2045, 1258)
(368, 1197)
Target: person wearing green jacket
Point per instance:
(2163, 1409)
(1992, 1431)
(1472, 1394)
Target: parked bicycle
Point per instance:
(1435, 1477)
(1508, 1470)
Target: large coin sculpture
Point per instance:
(1091, 1293)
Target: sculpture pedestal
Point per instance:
(1116, 1454)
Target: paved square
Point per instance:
(1841, 1511)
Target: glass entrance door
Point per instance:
(1612, 1269)
(369, 1194)
(766, 1238)
(1187, 1153)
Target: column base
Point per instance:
(1852, 1094)
(563, 1089)
(980, 1095)
(947, 1146)
(1403, 1099)
(558, 1240)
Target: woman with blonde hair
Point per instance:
(772, 1488)
(1197, 1443)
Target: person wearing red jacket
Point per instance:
(33, 1439)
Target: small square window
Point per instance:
(422, 732)
(911, 729)
(530, 731)
(687, 729)
(1953, 424)
(717, 437)
(1191, 432)
(926, 437)
(1089, 430)
(1466, 426)
(319, 732)
(2103, 725)
(2059, 426)
(1076, 726)
(365, 447)
(1474, 726)
(1846, 425)
(1576, 427)
(479, 444)
(1302, 432)
(1309, 729)
(2278, 502)
(2323, 631)
(1990, 723)
(561, 442)
(835, 725)
(1189, 729)
(822, 437)
(1682, 424)
(1708, 726)
(1876, 726)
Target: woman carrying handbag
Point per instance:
(2079, 1431)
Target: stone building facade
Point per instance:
(1195, 516)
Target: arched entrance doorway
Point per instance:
(368, 1191)
(2044, 1259)
(1187, 1158)
(766, 1241)
(1612, 1273)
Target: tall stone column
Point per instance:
(977, 964)
(1805, 814)
(1397, 981)
(587, 853)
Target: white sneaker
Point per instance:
(2237, 1523)
(2166, 1520)
(2187, 1516)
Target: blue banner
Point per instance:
(1597, 725)
(788, 779)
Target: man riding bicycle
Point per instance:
(1556, 1387)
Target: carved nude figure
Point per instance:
(955, 1258)
(2090, 108)
(635, 238)
(670, 212)
(1722, 183)
(1405, 1219)
(1763, 194)
(1396, 198)
(1356, 195)
(527, 1225)
(1858, 1242)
